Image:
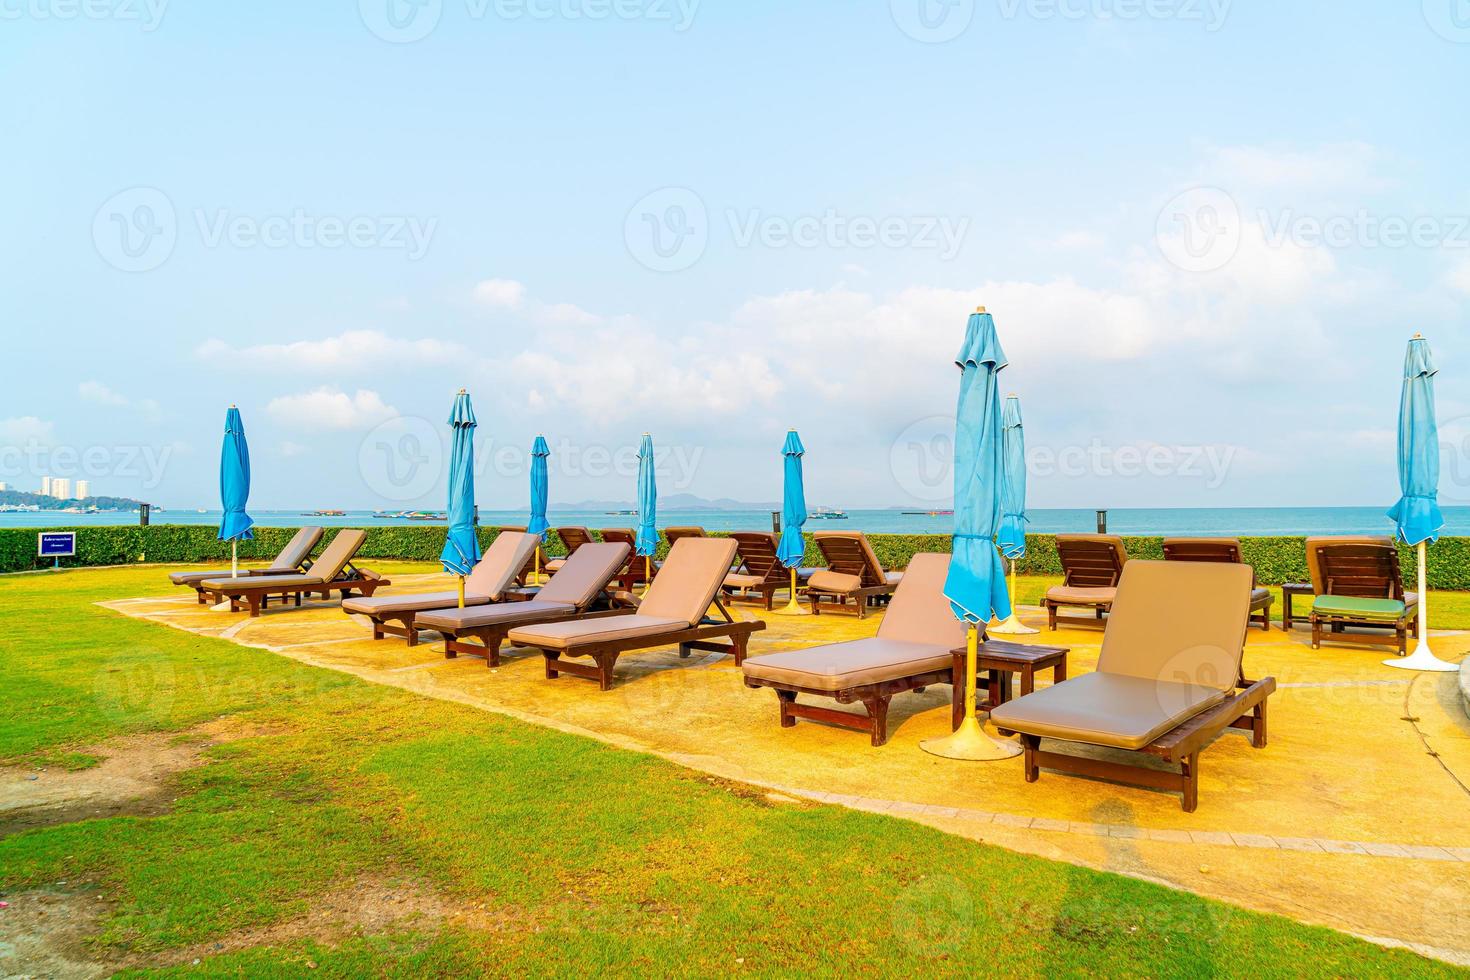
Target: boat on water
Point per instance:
(326, 513)
(423, 515)
(828, 514)
(928, 513)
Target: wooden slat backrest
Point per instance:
(573, 537)
(757, 551)
(1090, 561)
(1365, 571)
(848, 552)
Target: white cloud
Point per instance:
(96, 391)
(331, 408)
(502, 293)
(567, 314)
(24, 429)
(348, 351)
(289, 448)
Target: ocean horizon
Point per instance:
(1218, 521)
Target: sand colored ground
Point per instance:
(1356, 816)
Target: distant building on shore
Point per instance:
(84, 489)
(45, 486)
(4, 486)
(61, 488)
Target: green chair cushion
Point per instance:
(1341, 605)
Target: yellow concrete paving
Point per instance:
(1356, 815)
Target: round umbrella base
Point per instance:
(1012, 626)
(969, 743)
(1422, 659)
(792, 608)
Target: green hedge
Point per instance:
(1276, 560)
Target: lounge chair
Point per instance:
(293, 558)
(333, 571)
(675, 533)
(577, 587)
(1168, 681)
(675, 611)
(1360, 588)
(491, 580)
(911, 651)
(1225, 550)
(1091, 567)
(853, 572)
(523, 577)
(760, 571)
(571, 537)
(636, 570)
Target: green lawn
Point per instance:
(564, 854)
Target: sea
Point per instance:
(1220, 521)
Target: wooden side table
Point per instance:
(997, 660)
(1289, 592)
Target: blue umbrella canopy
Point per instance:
(975, 586)
(1011, 538)
(539, 488)
(234, 481)
(461, 546)
(792, 548)
(1417, 513)
(646, 543)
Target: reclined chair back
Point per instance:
(1091, 561)
(757, 551)
(675, 533)
(1316, 545)
(338, 554)
(298, 549)
(1225, 550)
(1179, 621)
(501, 563)
(849, 553)
(585, 574)
(529, 568)
(919, 612)
(1368, 571)
(635, 569)
(573, 538)
(691, 576)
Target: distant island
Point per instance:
(21, 500)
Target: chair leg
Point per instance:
(878, 712)
(1258, 730)
(1029, 745)
(1051, 617)
(1190, 771)
(787, 698)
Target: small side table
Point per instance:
(997, 660)
(1289, 592)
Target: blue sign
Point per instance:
(56, 544)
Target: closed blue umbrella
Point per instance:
(234, 488)
(1011, 538)
(975, 586)
(539, 489)
(792, 548)
(646, 542)
(1417, 514)
(461, 545)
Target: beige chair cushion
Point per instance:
(738, 580)
(193, 578)
(335, 557)
(1106, 709)
(554, 565)
(1081, 597)
(919, 612)
(288, 562)
(410, 602)
(502, 562)
(688, 580)
(836, 582)
(246, 582)
(500, 614)
(580, 578)
(582, 632)
(1259, 595)
(840, 666)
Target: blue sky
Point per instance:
(1206, 230)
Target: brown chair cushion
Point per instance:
(919, 612)
(336, 556)
(193, 578)
(829, 581)
(737, 580)
(1118, 710)
(498, 567)
(856, 663)
(500, 614)
(580, 578)
(410, 602)
(1072, 595)
(689, 579)
(565, 636)
(244, 582)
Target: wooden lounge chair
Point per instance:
(911, 651)
(523, 577)
(573, 538)
(1360, 589)
(675, 611)
(1091, 567)
(636, 570)
(294, 558)
(1168, 681)
(491, 580)
(760, 571)
(853, 572)
(333, 571)
(578, 586)
(675, 533)
(1225, 550)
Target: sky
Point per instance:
(1205, 228)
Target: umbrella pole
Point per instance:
(235, 558)
(1012, 625)
(1422, 658)
(969, 742)
(536, 568)
(792, 608)
(647, 575)
(461, 592)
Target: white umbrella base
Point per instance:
(969, 743)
